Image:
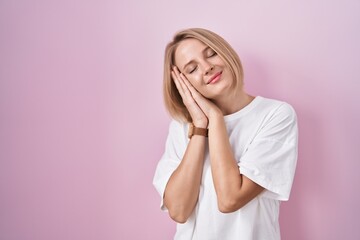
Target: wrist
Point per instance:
(215, 116)
(200, 124)
(215, 120)
(194, 130)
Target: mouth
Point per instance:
(216, 77)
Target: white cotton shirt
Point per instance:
(264, 139)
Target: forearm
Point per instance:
(182, 190)
(225, 171)
(233, 190)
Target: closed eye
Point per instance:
(193, 70)
(211, 53)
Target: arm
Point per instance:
(233, 190)
(182, 190)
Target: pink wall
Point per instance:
(82, 124)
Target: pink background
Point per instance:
(82, 123)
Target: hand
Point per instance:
(200, 108)
(198, 116)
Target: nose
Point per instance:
(208, 67)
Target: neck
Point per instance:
(233, 102)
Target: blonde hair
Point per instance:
(172, 98)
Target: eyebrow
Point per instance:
(191, 61)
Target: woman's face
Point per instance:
(204, 68)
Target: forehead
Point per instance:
(188, 49)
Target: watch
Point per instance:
(197, 131)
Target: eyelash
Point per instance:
(213, 53)
(193, 70)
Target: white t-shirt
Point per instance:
(264, 138)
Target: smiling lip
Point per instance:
(215, 78)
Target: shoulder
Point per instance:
(279, 122)
(279, 118)
(277, 108)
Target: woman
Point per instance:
(230, 157)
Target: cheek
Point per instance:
(197, 85)
(195, 81)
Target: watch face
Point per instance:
(191, 130)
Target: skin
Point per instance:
(207, 103)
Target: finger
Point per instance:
(188, 90)
(180, 77)
(180, 86)
(176, 72)
(177, 84)
(204, 103)
(184, 81)
(190, 87)
(185, 94)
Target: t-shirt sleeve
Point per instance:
(174, 150)
(270, 159)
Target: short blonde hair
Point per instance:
(172, 98)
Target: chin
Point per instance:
(220, 91)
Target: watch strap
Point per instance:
(193, 130)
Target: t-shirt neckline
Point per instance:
(244, 110)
